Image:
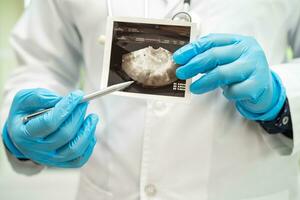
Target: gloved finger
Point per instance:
(66, 132)
(30, 100)
(79, 161)
(49, 122)
(209, 60)
(187, 52)
(79, 144)
(249, 89)
(222, 75)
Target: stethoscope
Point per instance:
(182, 15)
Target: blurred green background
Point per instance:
(10, 11)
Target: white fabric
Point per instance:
(202, 150)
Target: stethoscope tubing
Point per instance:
(186, 9)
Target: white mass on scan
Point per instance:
(150, 67)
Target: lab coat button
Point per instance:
(150, 190)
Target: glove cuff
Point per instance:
(273, 112)
(9, 144)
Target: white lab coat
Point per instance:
(161, 150)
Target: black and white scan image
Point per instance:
(142, 52)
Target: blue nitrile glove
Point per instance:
(62, 137)
(239, 66)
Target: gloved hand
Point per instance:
(238, 65)
(62, 137)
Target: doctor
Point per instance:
(238, 139)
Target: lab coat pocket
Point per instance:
(90, 191)
(282, 195)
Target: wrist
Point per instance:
(281, 124)
(10, 146)
(277, 102)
